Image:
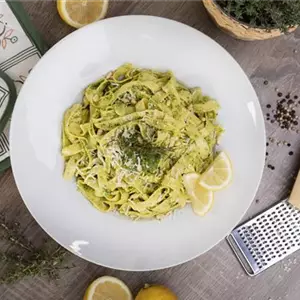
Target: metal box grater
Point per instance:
(267, 238)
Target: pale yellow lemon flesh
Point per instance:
(202, 199)
(107, 287)
(218, 175)
(78, 13)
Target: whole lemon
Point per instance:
(155, 292)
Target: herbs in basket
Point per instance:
(255, 19)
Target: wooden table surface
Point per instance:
(217, 274)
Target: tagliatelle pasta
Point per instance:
(134, 136)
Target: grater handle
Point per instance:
(294, 198)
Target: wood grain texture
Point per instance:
(217, 274)
(294, 197)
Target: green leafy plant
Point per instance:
(267, 14)
(22, 259)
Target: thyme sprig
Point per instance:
(269, 14)
(23, 259)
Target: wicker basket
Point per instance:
(237, 29)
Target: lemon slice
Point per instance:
(108, 287)
(218, 175)
(78, 13)
(202, 199)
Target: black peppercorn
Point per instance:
(284, 113)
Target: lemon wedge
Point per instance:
(108, 287)
(202, 199)
(218, 175)
(155, 292)
(78, 13)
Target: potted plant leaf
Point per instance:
(255, 19)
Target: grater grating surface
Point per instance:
(267, 238)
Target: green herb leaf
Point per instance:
(269, 14)
(25, 259)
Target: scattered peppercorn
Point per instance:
(295, 97)
(289, 145)
(257, 200)
(267, 144)
(266, 82)
(291, 153)
(267, 153)
(284, 113)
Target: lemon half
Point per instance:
(108, 287)
(78, 13)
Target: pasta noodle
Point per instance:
(136, 132)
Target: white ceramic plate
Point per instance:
(58, 80)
